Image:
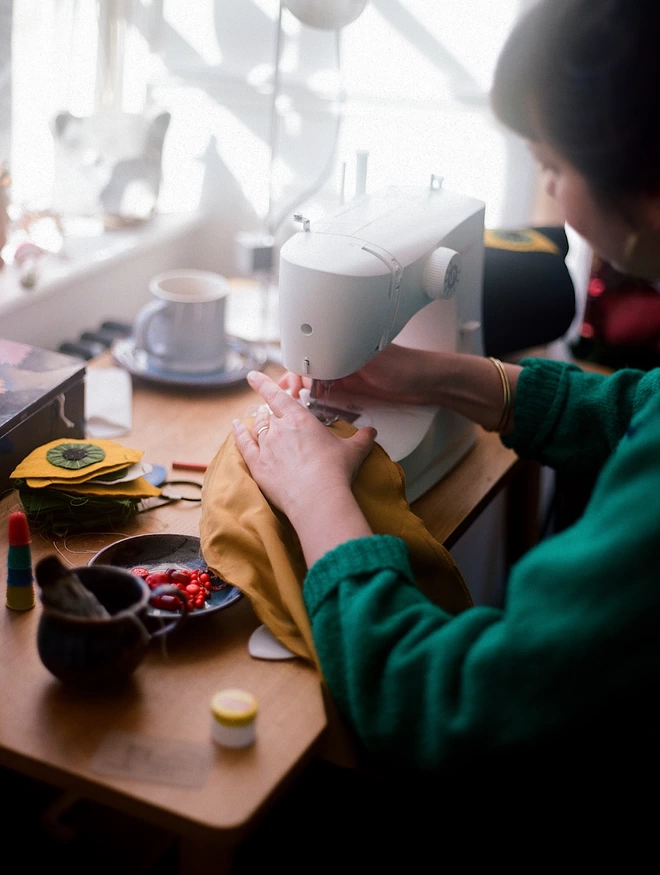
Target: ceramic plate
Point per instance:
(160, 552)
(242, 357)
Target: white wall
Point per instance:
(104, 278)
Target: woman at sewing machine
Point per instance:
(563, 678)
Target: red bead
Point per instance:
(166, 602)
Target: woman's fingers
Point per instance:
(362, 443)
(291, 383)
(364, 438)
(277, 399)
(245, 441)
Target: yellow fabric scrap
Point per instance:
(138, 488)
(36, 465)
(520, 241)
(40, 482)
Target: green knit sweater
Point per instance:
(579, 636)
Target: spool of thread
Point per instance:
(20, 577)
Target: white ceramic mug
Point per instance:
(183, 329)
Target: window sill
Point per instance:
(97, 278)
(84, 257)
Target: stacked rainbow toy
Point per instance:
(20, 578)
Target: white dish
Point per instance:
(242, 356)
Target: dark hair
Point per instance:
(584, 76)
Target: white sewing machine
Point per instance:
(404, 265)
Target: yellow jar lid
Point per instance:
(234, 707)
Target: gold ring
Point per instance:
(263, 428)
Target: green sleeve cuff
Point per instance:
(540, 394)
(360, 558)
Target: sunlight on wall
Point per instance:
(195, 116)
(194, 22)
(411, 84)
(464, 147)
(473, 31)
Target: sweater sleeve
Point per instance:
(579, 631)
(572, 420)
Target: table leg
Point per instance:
(523, 499)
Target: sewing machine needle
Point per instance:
(326, 394)
(319, 409)
(313, 394)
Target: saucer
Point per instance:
(242, 356)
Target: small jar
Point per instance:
(233, 718)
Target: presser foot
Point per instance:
(326, 418)
(322, 413)
(322, 410)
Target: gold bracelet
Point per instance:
(506, 389)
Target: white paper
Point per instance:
(108, 402)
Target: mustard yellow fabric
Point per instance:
(520, 241)
(36, 466)
(254, 547)
(41, 482)
(138, 488)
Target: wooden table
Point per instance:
(50, 733)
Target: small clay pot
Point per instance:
(92, 653)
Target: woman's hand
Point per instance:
(397, 373)
(468, 384)
(292, 383)
(303, 468)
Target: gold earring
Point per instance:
(632, 241)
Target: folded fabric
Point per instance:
(41, 482)
(139, 488)
(74, 459)
(58, 488)
(253, 546)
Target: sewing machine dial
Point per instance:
(442, 273)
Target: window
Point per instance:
(406, 82)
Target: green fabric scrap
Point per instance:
(63, 514)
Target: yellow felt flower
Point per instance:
(112, 457)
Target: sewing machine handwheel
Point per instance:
(442, 273)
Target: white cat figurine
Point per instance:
(108, 164)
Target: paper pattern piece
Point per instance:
(264, 645)
(146, 758)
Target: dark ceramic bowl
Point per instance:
(158, 552)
